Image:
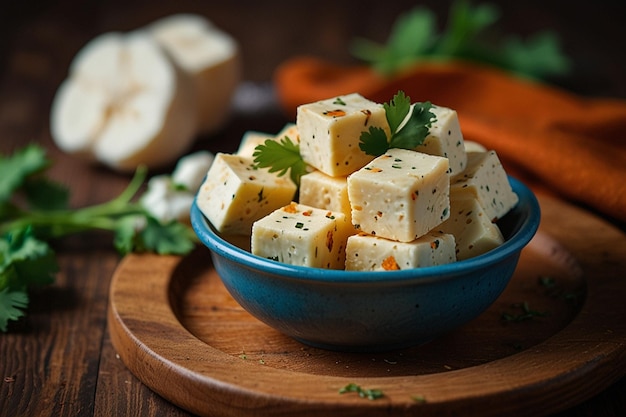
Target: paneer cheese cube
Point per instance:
(291, 131)
(302, 235)
(235, 193)
(472, 146)
(330, 131)
(370, 253)
(445, 139)
(322, 191)
(486, 180)
(400, 195)
(473, 231)
(250, 140)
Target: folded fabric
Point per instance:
(551, 139)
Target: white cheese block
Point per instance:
(250, 140)
(322, 191)
(445, 139)
(302, 235)
(471, 146)
(291, 131)
(400, 195)
(330, 131)
(370, 253)
(486, 180)
(235, 193)
(474, 232)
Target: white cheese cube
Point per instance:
(330, 131)
(473, 231)
(250, 140)
(445, 139)
(302, 235)
(322, 191)
(400, 195)
(291, 131)
(235, 193)
(471, 146)
(486, 180)
(370, 253)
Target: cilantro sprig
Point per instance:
(281, 156)
(34, 211)
(470, 34)
(406, 133)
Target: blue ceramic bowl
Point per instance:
(371, 311)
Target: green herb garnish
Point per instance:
(34, 210)
(404, 134)
(470, 35)
(370, 394)
(281, 156)
(526, 313)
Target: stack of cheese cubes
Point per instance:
(428, 206)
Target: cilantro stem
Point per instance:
(59, 223)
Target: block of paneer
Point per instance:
(487, 181)
(473, 231)
(322, 191)
(401, 195)
(371, 253)
(330, 131)
(250, 140)
(445, 139)
(235, 193)
(302, 235)
(291, 131)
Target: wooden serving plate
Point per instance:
(554, 338)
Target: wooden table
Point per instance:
(59, 360)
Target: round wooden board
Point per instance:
(178, 330)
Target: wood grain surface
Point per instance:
(176, 327)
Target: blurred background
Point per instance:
(38, 39)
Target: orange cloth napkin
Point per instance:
(550, 139)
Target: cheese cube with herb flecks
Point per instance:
(302, 235)
(474, 232)
(250, 140)
(235, 193)
(322, 191)
(445, 139)
(330, 131)
(370, 253)
(401, 195)
(487, 181)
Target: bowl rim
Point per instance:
(527, 229)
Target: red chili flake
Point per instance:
(334, 113)
(307, 213)
(390, 264)
(291, 208)
(434, 244)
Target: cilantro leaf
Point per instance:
(281, 156)
(397, 109)
(12, 306)
(468, 34)
(172, 238)
(413, 34)
(406, 132)
(416, 129)
(374, 142)
(16, 168)
(25, 261)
